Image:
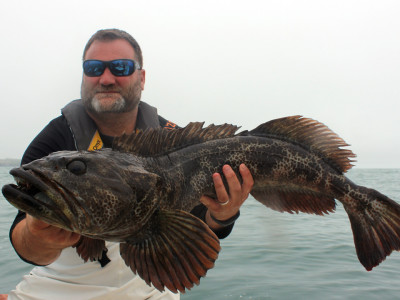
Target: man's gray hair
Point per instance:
(115, 34)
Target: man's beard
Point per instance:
(125, 101)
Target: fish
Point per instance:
(140, 193)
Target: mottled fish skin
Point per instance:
(275, 166)
(140, 192)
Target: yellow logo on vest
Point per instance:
(96, 143)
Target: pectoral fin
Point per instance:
(176, 255)
(90, 249)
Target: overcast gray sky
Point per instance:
(240, 62)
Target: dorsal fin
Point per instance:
(311, 134)
(155, 141)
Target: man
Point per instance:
(111, 89)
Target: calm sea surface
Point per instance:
(271, 255)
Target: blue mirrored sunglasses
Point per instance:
(117, 67)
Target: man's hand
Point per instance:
(227, 205)
(39, 242)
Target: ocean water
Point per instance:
(272, 255)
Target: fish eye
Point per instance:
(77, 167)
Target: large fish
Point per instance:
(140, 192)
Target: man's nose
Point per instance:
(107, 78)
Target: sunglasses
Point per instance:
(118, 67)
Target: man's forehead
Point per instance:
(110, 49)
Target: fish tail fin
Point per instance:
(375, 221)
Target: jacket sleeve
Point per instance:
(56, 136)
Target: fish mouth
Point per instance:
(42, 198)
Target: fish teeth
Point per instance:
(20, 181)
(23, 185)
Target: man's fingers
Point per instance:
(248, 181)
(228, 203)
(222, 194)
(210, 203)
(56, 237)
(235, 188)
(237, 192)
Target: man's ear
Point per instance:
(142, 78)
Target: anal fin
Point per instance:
(176, 255)
(295, 201)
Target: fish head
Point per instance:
(98, 194)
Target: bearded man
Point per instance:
(112, 83)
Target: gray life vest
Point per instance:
(84, 129)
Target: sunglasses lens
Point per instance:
(93, 68)
(122, 67)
